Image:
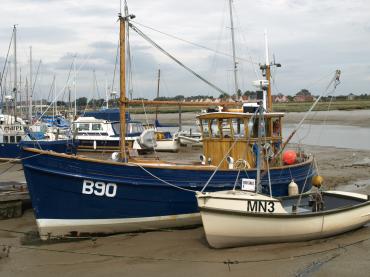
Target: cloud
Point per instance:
(310, 38)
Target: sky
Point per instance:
(311, 39)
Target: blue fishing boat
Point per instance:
(75, 195)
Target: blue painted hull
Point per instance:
(56, 185)
(13, 150)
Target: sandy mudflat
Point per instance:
(353, 118)
(186, 252)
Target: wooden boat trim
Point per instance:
(282, 198)
(233, 115)
(152, 164)
(287, 215)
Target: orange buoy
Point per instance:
(317, 181)
(289, 157)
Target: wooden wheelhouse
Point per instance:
(235, 134)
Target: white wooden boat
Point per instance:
(238, 218)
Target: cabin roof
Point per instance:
(228, 115)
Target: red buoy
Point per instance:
(289, 157)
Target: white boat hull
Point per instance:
(167, 145)
(227, 228)
(54, 228)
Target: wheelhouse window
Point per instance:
(116, 128)
(136, 127)
(18, 138)
(239, 128)
(11, 139)
(6, 139)
(83, 127)
(97, 127)
(226, 128)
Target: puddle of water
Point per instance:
(353, 137)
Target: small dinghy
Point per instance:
(237, 218)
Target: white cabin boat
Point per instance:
(96, 134)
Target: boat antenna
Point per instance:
(266, 71)
(235, 64)
(123, 99)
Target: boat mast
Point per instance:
(75, 87)
(158, 82)
(29, 98)
(123, 99)
(15, 72)
(268, 76)
(259, 152)
(235, 64)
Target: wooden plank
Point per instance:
(6, 196)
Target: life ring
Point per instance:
(241, 164)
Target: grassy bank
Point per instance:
(278, 107)
(323, 106)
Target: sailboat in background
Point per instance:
(132, 194)
(16, 133)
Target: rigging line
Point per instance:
(147, 123)
(174, 59)
(335, 81)
(254, 64)
(300, 141)
(51, 88)
(304, 184)
(115, 67)
(129, 61)
(4, 67)
(192, 43)
(163, 181)
(34, 83)
(69, 75)
(60, 91)
(12, 161)
(325, 119)
(218, 41)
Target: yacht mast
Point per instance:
(158, 82)
(235, 64)
(15, 72)
(29, 98)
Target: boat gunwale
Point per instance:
(295, 215)
(155, 163)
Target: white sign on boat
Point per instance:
(249, 184)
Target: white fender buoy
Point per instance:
(293, 188)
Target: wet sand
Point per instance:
(352, 118)
(186, 252)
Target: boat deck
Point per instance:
(330, 200)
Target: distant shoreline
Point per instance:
(359, 118)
